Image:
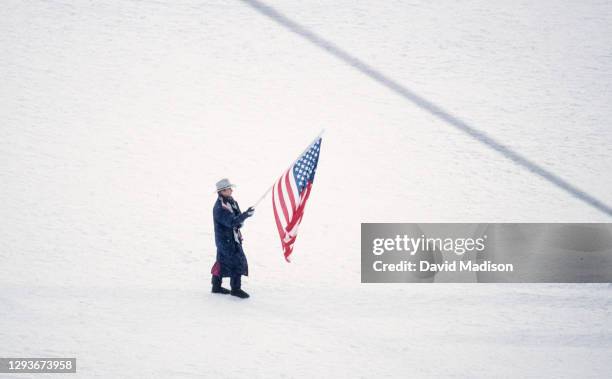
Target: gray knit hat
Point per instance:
(224, 184)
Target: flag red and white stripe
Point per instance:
(290, 194)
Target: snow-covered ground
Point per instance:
(119, 117)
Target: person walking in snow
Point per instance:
(231, 261)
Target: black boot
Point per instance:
(239, 293)
(235, 282)
(220, 290)
(216, 286)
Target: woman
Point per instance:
(231, 261)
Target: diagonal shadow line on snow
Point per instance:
(426, 105)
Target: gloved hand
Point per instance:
(250, 212)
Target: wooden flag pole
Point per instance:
(298, 158)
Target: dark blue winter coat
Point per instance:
(228, 221)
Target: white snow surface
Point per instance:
(119, 117)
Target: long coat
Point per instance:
(228, 219)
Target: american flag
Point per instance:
(290, 193)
